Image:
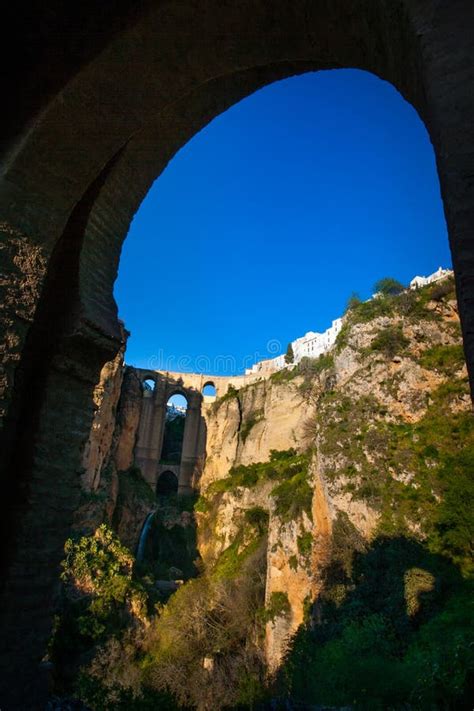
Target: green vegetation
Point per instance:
(397, 633)
(216, 618)
(248, 424)
(289, 355)
(99, 569)
(393, 624)
(231, 394)
(352, 302)
(308, 368)
(342, 337)
(366, 311)
(445, 359)
(293, 562)
(293, 496)
(281, 465)
(392, 301)
(388, 286)
(390, 341)
(278, 606)
(305, 543)
(125, 650)
(292, 492)
(204, 647)
(258, 518)
(101, 598)
(435, 455)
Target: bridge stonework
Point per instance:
(151, 427)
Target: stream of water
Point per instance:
(143, 536)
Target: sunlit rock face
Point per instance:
(245, 428)
(128, 417)
(106, 398)
(385, 376)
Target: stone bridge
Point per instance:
(151, 428)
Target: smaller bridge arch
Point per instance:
(209, 391)
(168, 480)
(148, 385)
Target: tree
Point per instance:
(289, 355)
(353, 301)
(388, 286)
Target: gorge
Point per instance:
(364, 509)
(318, 506)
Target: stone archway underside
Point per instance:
(79, 153)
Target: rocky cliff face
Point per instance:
(333, 527)
(345, 435)
(112, 490)
(362, 414)
(244, 426)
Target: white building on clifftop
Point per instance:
(420, 281)
(311, 345)
(314, 344)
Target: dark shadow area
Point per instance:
(53, 338)
(170, 552)
(392, 629)
(167, 484)
(174, 433)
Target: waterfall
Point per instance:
(143, 536)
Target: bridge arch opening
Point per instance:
(148, 385)
(209, 390)
(175, 423)
(167, 484)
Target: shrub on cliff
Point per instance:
(205, 648)
(97, 573)
(293, 496)
(390, 341)
(278, 606)
(388, 286)
(446, 359)
(100, 599)
(289, 355)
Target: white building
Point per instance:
(313, 344)
(419, 281)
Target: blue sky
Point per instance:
(266, 221)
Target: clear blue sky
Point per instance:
(265, 222)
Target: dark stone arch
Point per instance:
(126, 105)
(148, 384)
(167, 483)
